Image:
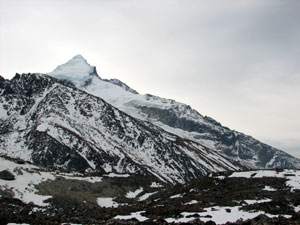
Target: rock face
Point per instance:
(179, 119)
(47, 121)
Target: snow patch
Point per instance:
(191, 202)
(156, 185)
(107, 202)
(116, 175)
(3, 113)
(177, 196)
(269, 188)
(146, 196)
(133, 194)
(134, 215)
(251, 202)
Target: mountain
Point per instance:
(174, 117)
(52, 123)
(78, 149)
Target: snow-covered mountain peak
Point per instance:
(77, 70)
(78, 57)
(179, 119)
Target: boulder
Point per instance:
(6, 175)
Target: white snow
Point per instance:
(15, 143)
(42, 127)
(76, 70)
(146, 196)
(156, 185)
(136, 215)
(133, 194)
(250, 202)
(176, 196)
(191, 202)
(271, 162)
(268, 188)
(81, 178)
(107, 202)
(294, 181)
(116, 175)
(3, 112)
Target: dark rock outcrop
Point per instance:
(6, 175)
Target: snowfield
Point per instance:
(134, 215)
(27, 176)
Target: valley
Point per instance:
(38, 195)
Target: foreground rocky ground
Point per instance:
(36, 195)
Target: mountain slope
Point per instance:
(179, 119)
(57, 125)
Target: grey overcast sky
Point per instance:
(237, 61)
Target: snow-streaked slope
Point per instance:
(62, 126)
(180, 119)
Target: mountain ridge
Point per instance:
(182, 120)
(64, 127)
